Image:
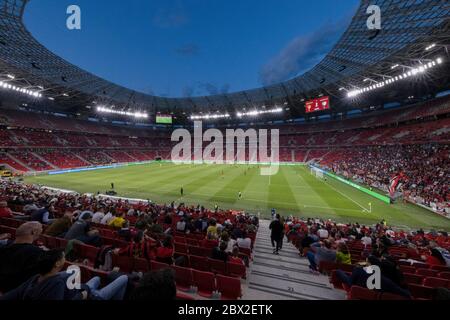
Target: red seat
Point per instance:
(407, 269)
(196, 251)
(181, 247)
(199, 263)
(124, 263)
(155, 265)
(436, 282)
(141, 265)
(444, 275)
(246, 251)
(359, 293)
(205, 283)
(217, 266)
(181, 296)
(419, 291)
(427, 272)
(192, 242)
(441, 268)
(413, 278)
(391, 296)
(183, 278)
(237, 270)
(327, 266)
(230, 288)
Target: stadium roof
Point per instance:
(408, 28)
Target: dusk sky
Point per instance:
(192, 47)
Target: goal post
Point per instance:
(318, 173)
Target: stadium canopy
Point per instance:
(409, 27)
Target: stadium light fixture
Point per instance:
(414, 71)
(431, 46)
(210, 116)
(255, 113)
(12, 77)
(8, 86)
(137, 115)
(395, 66)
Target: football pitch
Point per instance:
(293, 191)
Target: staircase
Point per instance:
(285, 276)
(44, 160)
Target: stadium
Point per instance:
(289, 191)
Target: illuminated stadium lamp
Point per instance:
(51, 98)
(65, 94)
(257, 113)
(11, 76)
(431, 46)
(395, 66)
(123, 113)
(412, 72)
(210, 116)
(8, 86)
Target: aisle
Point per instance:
(285, 276)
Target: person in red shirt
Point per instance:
(5, 212)
(165, 253)
(234, 258)
(435, 258)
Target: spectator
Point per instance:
(60, 226)
(343, 255)
(81, 231)
(156, 285)
(107, 218)
(276, 233)
(98, 216)
(50, 284)
(219, 253)
(234, 258)
(118, 222)
(165, 253)
(5, 212)
(19, 260)
(320, 252)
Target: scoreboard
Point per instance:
(319, 104)
(164, 119)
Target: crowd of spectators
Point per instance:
(424, 171)
(31, 272)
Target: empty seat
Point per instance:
(183, 278)
(441, 268)
(237, 270)
(436, 282)
(141, 265)
(391, 296)
(444, 275)
(180, 247)
(196, 251)
(413, 278)
(205, 283)
(217, 266)
(359, 293)
(419, 291)
(124, 263)
(155, 265)
(199, 263)
(427, 272)
(230, 288)
(407, 269)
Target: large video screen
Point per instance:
(316, 105)
(164, 119)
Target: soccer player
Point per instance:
(182, 192)
(112, 185)
(240, 195)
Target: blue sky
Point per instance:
(192, 47)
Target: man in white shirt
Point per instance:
(322, 233)
(366, 240)
(244, 243)
(98, 216)
(107, 218)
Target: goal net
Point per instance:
(318, 173)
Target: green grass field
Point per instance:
(294, 190)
